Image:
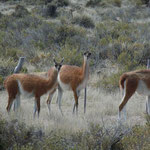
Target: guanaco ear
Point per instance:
(54, 61)
(89, 53)
(62, 60)
(84, 53)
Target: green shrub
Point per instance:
(7, 66)
(119, 43)
(140, 2)
(117, 3)
(1, 81)
(93, 3)
(61, 3)
(111, 82)
(68, 31)
(51, 7)
(13, 53)
(114, 29)
(41, 59)
(4, 21)
(24, 70)
(1, 14)
(58, 3)
(84, 21)
(71, 55)
(147, 117)
(51, 10)
(56, 140)
(47, 1)
(138, 138)
(17, 135)
(20, 11)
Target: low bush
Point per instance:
(95, 138)
(140, 2)
(93, 3)
(111, 82)
(84, 21)
(65, 32)
(119, 42)
(71, 55)
(61, 3)
(20, 11)
(7, 66)
(138, 138)
(16, 135)
(1, 14)
(51, 10)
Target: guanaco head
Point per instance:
(58, 65)
(87, 54)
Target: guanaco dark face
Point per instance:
(58, 65)
(87, 54)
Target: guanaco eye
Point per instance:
(84, 53)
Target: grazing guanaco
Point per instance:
(72, 78)
(134, 81)
(30, 85)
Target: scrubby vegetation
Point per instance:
(116, 37)
(16, 135)
(115, 31)
(84, 21)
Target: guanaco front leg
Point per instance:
(50, 96)
(60, 93)
(37, 106)
(76, 95)
(148, 105)
(85, 91)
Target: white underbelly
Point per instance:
(23, 92)
(142, 88)
(82, 85)
(63, 86)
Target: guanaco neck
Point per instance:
(85, 68)
(52, 80)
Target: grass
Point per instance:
(96, 129)
(100, 105)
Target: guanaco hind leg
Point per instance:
(38, 105)
(130, 88)
(10, 102)
(12, 93)
(35, 108)
(16, 102)
(11, 98)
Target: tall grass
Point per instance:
(100, 106)
(97, 129)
